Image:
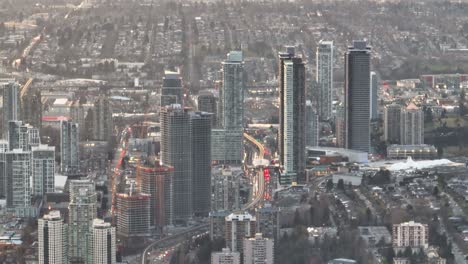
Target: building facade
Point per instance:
(412, 125)
(82, 211)
(103, 125)
(207, 102)
(103, 243)
(52, 239)
(43, 169)
(69, 140)
(357, 96)
(201, 162)
(226, 186)
(172, 91)
(258, 250)
(340, 127)
(268, 221)
(324, 78)
(18, 186)
(410, 234)
(239, 225)
(231, 108)
(133, 214)
(226, 256)
(176, 151)
(392, 122)
(11, 104)
(292, 120)
(374, 96)
(155, 180)
(312, 125)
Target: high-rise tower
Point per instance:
(82, 212)
(357, 96)
(69, 140)
(172, 91)
(412, 125)
(374, 89)
(176, 151)
(392, 117)
(103, 126)
(231, 106)
(312, 125)
(324, 78)
(103, 243)
(43, 169)
(11, 104)
(292, 118)
(201, 162)
(52, 236)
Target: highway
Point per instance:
(195, 230)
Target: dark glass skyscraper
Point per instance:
(172, 91)
(201, 162)
(357, 96)
(207, 103)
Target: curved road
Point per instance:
(254, 202)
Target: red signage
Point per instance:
(266, 174)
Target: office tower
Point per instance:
(201, 162)
(312, 125)
(268, 221)
(231, 107)
(218, 224)
(172, 91)
(176, 151)
(18, 189)
(11, 105)
(412, 125)
(340, 128)
(258, 250)
(225, 257)
(103, 127)
(357, 96)
(69, 139)
(239, 225)
(374, 89)
(155, 180)
(103, 243)
(43, 169)
(52, 238)
(392, 123)
(324, 78)
(410, 234)
(292, 119)
(226, 186)
(206, 102)
(3, 176)
(82, 210)
(31, 107)
(133, 214)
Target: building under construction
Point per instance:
(155, 179)
(133, 214)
